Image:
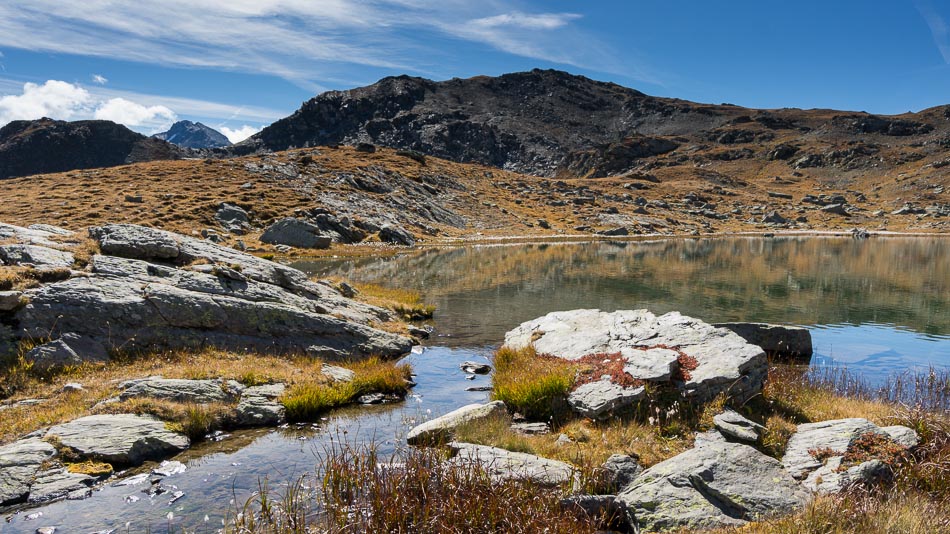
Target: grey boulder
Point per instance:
(717, 485)
(35, 255)
(295, 233)
(121, 439)
(69, 350)
(501, 465)
(440, 429)
(602, 398)
(57, 483)
(781, 340)
(20, 461)
(733, 425)
(621, 470)
(836, 435)
(10, 300)
(725, 361)
(259, 406)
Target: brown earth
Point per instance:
(441, 201)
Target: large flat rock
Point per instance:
(20, 461)
(181, 390)
(121, 439)
(716, 485)
(781, 340)
(835, 435)
(725, 361)
(500, 464)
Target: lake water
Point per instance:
(878, 307)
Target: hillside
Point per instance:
(353, 194)
(554, 124)
(46, 145)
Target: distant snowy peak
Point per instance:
(193, 135)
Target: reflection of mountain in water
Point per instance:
(482, 292)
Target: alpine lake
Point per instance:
(877, 307)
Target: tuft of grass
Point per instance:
(91, 468)
(532, 384)
(308, 399)
(20, 278)
(405, 302)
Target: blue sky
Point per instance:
(237, 65)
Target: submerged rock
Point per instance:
(717, 485)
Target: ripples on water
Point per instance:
(878, 307)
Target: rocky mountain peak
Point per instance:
(189, 134)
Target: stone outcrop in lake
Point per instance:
(149, 289)
(695, 357)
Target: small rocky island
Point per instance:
(725, 478)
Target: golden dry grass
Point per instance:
(99, 382)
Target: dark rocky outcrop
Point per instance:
(189, 134)
(46, 145)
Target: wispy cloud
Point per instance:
(938, 27)
(303, 41)
(99, 79)
(237, 135)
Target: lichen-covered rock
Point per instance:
(835, 435)
(602, 398)
(832, 478)
(500, 464)
(621, 470)
(717, 485)
(440, 429)
(720, 361)
(70, 349)
(57, 483)
(120, 439)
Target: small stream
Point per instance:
(877, 307)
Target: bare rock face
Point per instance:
(145, 291)
(19, 463)
(698, 358)
(296, 233)
(716, 485)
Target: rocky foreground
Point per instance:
(148, 289)
(725, 479)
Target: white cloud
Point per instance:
(133, 114)
(99, 79)
(65, 101)
(542, 21)
(239, 134)
(54, 99)
(303, 41)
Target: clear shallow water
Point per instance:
(878, 307)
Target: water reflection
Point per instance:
(889, 293)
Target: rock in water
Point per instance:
(718, 360)
(121, 439)
(20, 461)
(781, 340)
(716, 485)
(440, 429)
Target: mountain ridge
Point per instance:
(188, 134)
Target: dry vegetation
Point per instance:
(99, 382)
(183, 195)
